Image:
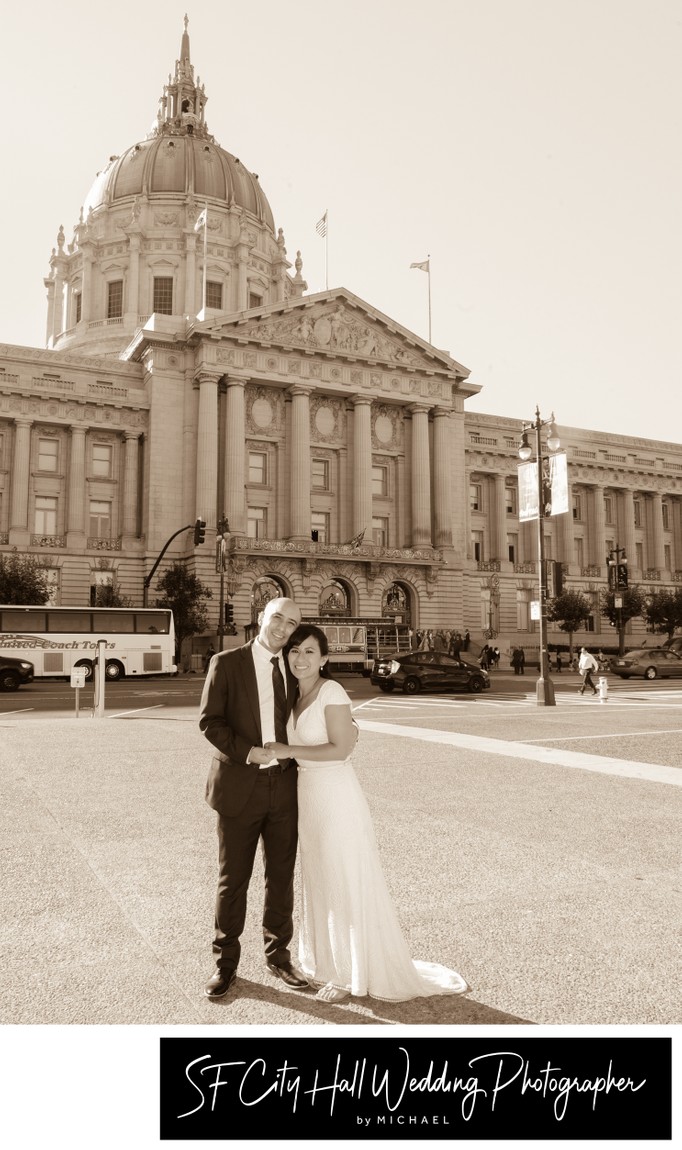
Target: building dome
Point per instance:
(179, 158)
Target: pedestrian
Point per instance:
(496, 656)
(586, 665)
(559, 663)
(210, 652)
(466, 641)
(485, 658)
(522, 661)
(248, 696)
(516, 660)
(455, 645)
(430, 640)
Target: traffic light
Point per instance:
(199, 531)
(622, 575)
(558, 579)
(229, 619)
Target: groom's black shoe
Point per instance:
(289, 975)
(220, 983)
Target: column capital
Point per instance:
(23, 421)
(301, 389)
(361, 400)
(205, 376)
(418, 408)
(77, 429)
(441, 412)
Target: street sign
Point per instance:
(618, 602)
(535, 608)
(78, 676)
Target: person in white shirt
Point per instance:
(586, 665)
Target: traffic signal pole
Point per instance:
(617, 566)
(199, 529)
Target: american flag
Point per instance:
(423, 267)
(201, 222)
(321, 226)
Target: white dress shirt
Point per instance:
(266, 695)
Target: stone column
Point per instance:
(626, 526)
(191, 274)
(300, 462)
(498, 528)
(207, 448)
(658, 553)
(567, 533)
(598, 529)
(133, 293)
(86, 284)
(442, 487)
(421, 476)
(76, 491)
(362, 466)
(20, 478)
(235, 457)
(343, 508)
(130, 473)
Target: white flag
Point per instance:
(321, 226)
(201, 222)
(423, 267)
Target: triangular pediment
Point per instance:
(336, 324)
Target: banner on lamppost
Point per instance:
(554, 487)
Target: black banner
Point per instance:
(416, 1088)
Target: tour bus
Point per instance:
(56, 639)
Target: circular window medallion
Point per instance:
(324, 420)
(383, 429)
(261, 413)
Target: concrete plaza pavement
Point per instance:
(551, 882)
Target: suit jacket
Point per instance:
(230, 719)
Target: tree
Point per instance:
(109, 595)
(570, 610)
(23, 580)
(633, 602)
(663, 611)
(183, 593)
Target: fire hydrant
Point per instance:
(603, 689)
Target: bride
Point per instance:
(350, 939)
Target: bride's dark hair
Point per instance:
(310, 631)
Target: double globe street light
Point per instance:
(544, 687)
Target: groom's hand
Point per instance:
(260, 756)
(278, 750)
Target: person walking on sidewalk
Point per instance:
(248, 696)
(586, 665)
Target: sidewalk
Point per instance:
(551, 890)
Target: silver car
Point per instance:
(649, 663)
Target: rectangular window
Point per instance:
(115, 299)
(639, 556)
(319, 522)
(319, 474)
(214, 295)
(255, 300)
(163, 295)
(380, 531)
(100, 519)
(65, 621)
(579, 552)
(577, 507)
(513, 547)
(637, 507)
(477, 541)
(77, 307)
(45, 520)
(667, 555)
(258, 469)
(101, 460)
(475, 503)
(511, 496)
(665, 513)
(380, 481)
(47, 454)
(257, 523)
(608, 509)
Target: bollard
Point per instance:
(603, 689)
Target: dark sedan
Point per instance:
(427, 671)
(14, 672)
(651, 663)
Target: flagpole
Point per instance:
(428, 258)
(326, 251)
(203, 294)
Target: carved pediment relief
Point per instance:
(336, 329)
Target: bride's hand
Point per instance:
(278, 750)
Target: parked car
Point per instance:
(14, 672)
(649, 663)
(427, 671)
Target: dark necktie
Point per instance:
(280, 702)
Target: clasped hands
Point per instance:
(264, 755)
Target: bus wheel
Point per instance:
(114, 670)
(88, 668)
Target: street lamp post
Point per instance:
(223, 528)
(617, 566)
(544, 688)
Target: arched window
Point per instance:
(335, 599)
(263, 591)
(396, 603)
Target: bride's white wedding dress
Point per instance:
(350, 935)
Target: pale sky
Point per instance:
(530, 147)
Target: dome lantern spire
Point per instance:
(182, 105)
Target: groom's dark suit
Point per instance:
(251, 803)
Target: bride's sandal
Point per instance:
(331, 993)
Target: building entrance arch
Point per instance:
(396, 603)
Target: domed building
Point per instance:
(189, 374)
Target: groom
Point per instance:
(247, 698)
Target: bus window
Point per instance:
(344, 634)
(26, 619)
(154, 622)
(116, 622)
(69, 621)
